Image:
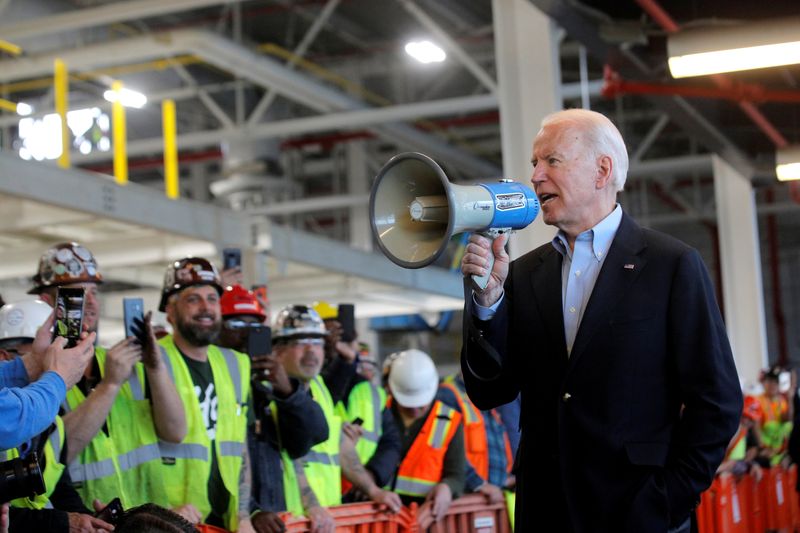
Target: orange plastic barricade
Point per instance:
(705, 511)
(790, 489)
(206, 528)
(728, 515)
(777, 502)
(468, 514)
(359, 518)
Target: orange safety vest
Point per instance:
(475, 440)
(421, 468)
(774, 410)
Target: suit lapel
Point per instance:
(620, 269)
(546, 278)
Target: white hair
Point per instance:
(603, 136)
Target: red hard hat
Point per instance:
(65, 263)
(752, 409)
(188, 272)
(237, 300)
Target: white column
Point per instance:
(358, 183)
(529, 81)
(742, 289)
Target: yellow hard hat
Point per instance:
(325, 310)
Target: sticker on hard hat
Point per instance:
(245, 307)
(15, 317)
(511, 200)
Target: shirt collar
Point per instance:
(600, 236)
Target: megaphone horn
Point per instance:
(414, 210)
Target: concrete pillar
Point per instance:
(358, 182)
(529, 81)
(742, 288)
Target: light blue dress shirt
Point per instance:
(579, 271)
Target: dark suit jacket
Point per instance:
(605, 444)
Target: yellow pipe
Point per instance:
(120, 140)
(8, 106)
(11, 48)
(61, 78)
(171, 177)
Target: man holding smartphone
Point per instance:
(208, 472)
(112, 427)
(300, 422)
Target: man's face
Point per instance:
(569, 181)
(11, 351)
(91, 303)
(413, 413)
(302, 358)
(195, 315)
(772, 386)
(235, 330)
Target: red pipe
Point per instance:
(652, 8)
(777, 300)
(745, 93)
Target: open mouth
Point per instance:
(546, 197)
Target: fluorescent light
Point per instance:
(788, 163)
(24, 109)
(703, 51)
(128, 97)
(425, 52)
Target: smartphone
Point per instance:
(69, 314)
(111, 512)
(231, 258)
(132, 308)
(259, 341)
(347, 318)
(358, 421)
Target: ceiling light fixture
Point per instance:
(787, 165)
(24, 109)
(128, 97)
(425, 52)
(703, 51)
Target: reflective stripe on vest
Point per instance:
(51, 454)
(186, 466)
(475, 441)
(185, 450)
(91, 471)
(321, 464)
(422, 466)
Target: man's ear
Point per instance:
(604, 167)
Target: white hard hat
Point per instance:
(413, 378)
(20, 320)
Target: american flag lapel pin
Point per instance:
(628, 266)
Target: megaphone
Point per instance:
(414, 210)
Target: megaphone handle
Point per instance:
(480, 282)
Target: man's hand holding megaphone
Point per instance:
(415, 210)
(477, 257)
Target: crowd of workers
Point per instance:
(187, 427)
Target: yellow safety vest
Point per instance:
(126, 462)
(52, 468)
(321, 464)
(367, 401)
(187, 466)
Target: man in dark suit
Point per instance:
(613, 335)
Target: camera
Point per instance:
(21, 478)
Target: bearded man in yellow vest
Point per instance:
(313, 481)
(207, 475)
(125, 402)
(433, 457)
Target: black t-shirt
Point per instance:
(206, 393)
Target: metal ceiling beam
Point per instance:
(78, 19)
(245, 63)
(90, 193)
(331, 122)
(586, 32)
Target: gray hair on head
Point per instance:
(603, 135)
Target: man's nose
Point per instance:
(538, 175)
